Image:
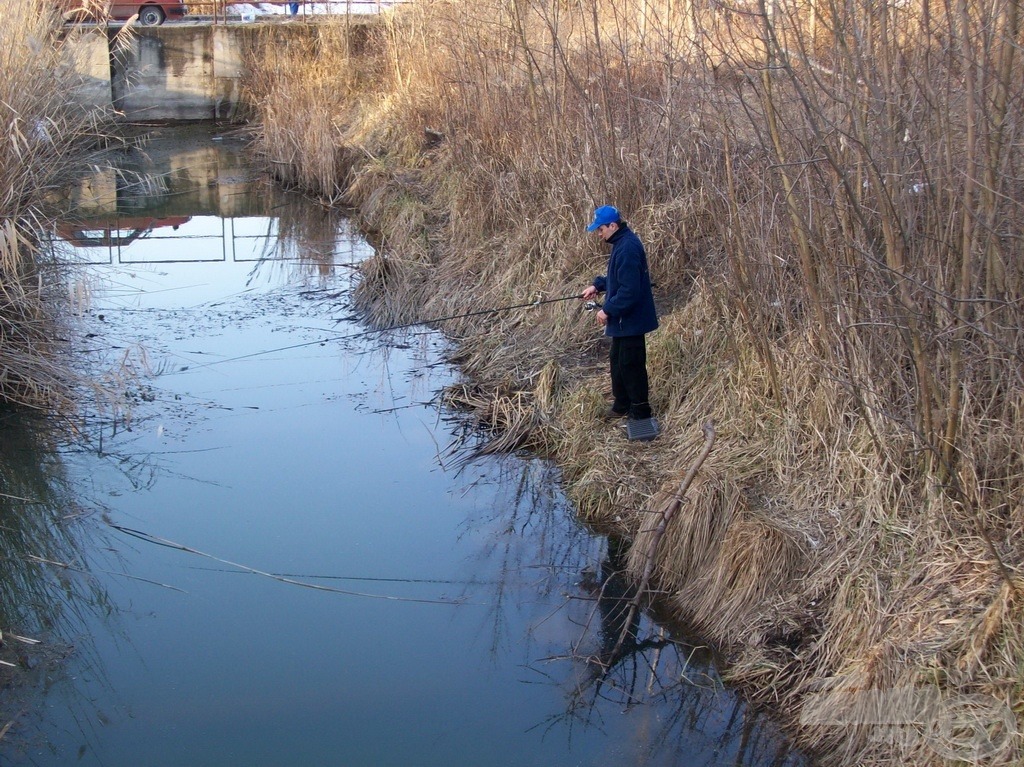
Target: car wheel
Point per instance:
(151, 16)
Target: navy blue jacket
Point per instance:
(629, 302)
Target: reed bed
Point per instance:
(45, 138)
(831, 199)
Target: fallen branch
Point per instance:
(667, 512)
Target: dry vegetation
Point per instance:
(831, 198)
(42, 142)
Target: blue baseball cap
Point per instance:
(606, 214)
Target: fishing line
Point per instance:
(157, 540)
(311, 576)
(402, 326)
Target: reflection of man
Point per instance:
(627, 315)
(613, 604)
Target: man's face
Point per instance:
(606, 230)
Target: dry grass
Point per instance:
(836, 241)
(292, 78)
(43, 137)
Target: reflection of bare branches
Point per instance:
(531, 547)
(623, 661)
(303, 237)
(618, 631)
(47, 590)
(38, 513)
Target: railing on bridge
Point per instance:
(226, 10)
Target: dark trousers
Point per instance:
(629, 376)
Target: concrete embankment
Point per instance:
(187, 71)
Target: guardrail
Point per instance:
(224, 10)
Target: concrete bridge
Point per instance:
(188, 70)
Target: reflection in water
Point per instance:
(252, 441)
(643, 664)
(114, 234)
(48, 591)
(194, 198)
(619, 625)
(608, 668)
(39, 514)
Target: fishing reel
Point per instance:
(592, 306)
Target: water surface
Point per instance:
(283, 564)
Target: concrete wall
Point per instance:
(92, 59)
(181, 71)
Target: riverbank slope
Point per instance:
(834, 229)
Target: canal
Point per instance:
(278, 549)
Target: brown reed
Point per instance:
(46, 138)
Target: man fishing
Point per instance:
(627, 315)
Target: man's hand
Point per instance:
(602, 318)
(589, 293)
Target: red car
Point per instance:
(150, 12)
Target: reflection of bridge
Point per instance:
(195, 240)
(187, 70)
(116, 234)
(190, 195)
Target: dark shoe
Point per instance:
(611, 414)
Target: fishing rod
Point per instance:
(589, 306)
